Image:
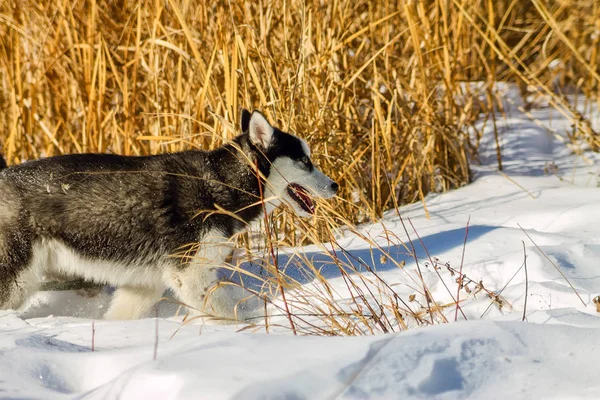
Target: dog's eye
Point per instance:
(306, 161)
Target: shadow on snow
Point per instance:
(361, 260)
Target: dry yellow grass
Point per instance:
(377, 87)
(374, 86)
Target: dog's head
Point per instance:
(291, 176)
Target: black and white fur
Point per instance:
(120, 220)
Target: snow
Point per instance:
(482, 358)
(546, 192)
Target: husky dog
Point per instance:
(118, 220)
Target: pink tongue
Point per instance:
(305, 198)
(301, 193)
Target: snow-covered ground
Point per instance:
(546, 192)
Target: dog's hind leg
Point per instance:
(130, 302)
(20, 271)
(20, 263)
(17, 288)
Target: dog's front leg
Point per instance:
(197, 284)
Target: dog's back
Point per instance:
(105, 205)
(98, 204)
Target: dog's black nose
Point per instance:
(335, 186)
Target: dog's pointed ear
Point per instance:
(245, 120)
(260, 131)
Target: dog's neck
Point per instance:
(243, 171)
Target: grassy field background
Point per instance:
(377, 87)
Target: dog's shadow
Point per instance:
(303, 268)
(298, 267)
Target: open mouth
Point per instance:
(300, 195)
